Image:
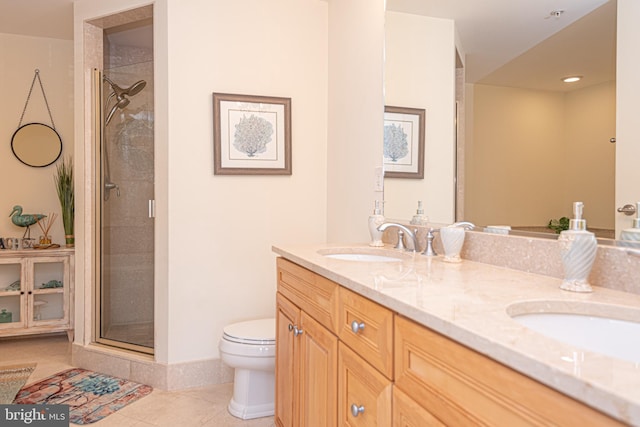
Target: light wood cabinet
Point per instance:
(345, 360)
(287, 366)
(367, 327)
(408, 413)
(462, 387)
(36, 292)
(364, 394)
(307, 349)
(307, 360)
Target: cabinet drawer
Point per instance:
(310, 292)
(462, 387)
(367, 328)
(364, 394)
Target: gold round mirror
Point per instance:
(36, 144)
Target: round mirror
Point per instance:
(36, 144)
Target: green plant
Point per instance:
(559, 225)
(64, 186)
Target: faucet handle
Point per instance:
(400, 245)
(428, 250)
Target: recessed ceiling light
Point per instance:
(571, 79)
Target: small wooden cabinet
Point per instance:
(36, 292)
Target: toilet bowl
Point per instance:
(250, 348)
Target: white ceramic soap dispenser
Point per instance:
(419, 218)
(633, 233)
(375, 221)
(578, 250)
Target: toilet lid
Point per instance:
(262, 331)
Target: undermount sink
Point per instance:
(364, 255)
(600, 328)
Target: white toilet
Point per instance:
(250, 348)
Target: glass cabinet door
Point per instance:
(48, 303)
(12, 292)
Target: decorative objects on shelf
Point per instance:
(64, 186)
(45, 225)
(24, 220)
(15, 286)
(51, 284)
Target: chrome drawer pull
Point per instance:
(297, 331)
(356, 410)
(357, 327)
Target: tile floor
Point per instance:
(206, 407)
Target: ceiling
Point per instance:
(506, 42)
(39, 18)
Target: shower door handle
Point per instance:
(152, 208)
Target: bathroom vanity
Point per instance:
(36, 291)
(418, 341)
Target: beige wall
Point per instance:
(590, 176)
(517, 169)
(33, 188)
(627, 123)
(221, 228)
(214, 233)
(420, 73)
(356, 55)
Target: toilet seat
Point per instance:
(252, 332)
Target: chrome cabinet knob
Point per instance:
(357, 327)
(290, 327)
(296, 331)
(356, 410)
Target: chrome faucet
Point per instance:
(405, 232)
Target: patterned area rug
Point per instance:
(91, 396)
(12, 378)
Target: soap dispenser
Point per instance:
(375, 221)
(419, 218)
(578, 250)
(633, 233)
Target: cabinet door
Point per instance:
(408, 413)
(364, 394)
(286, 405)
(48, 298)
(12, 294)
(318, 374)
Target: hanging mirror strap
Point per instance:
(37, 76)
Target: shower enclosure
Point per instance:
(125, 201)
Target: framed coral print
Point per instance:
(251, 135)
(403, 142)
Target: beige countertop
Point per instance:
(469, 303)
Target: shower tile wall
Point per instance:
(127, 229)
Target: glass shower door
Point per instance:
(126, 223)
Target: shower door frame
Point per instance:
(99, 146)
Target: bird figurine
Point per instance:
(24, 220)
